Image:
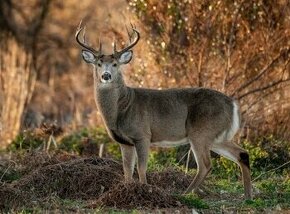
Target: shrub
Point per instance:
(88, 140)
(26, 140)
(161, 158)
(192, 200)
(273, 153)
(265, 154)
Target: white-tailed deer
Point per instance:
(138, 118)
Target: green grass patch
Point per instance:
(8, 175)
(192, 201)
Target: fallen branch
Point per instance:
(271, 170)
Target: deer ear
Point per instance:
(126, 57)
(88, 56)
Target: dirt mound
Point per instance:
(137, 196)
(10, 197)
(172, 180)
(94, 179)
(37, 159)
(84, 178)
(80, 179)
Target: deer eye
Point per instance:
(115, 65)
(99, 64)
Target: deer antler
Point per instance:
(131, 44)
(83, 44)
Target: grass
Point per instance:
(193, 201)
(269, 195)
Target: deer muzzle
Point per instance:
(106, 76)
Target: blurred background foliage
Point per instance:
(239, 47)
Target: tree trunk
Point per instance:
(17, 80)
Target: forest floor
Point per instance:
(59, 182)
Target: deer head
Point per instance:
(107, 66)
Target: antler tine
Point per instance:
(132, 44)
(100, 45)
(133, 26)
(83, 44)
(79, 29)
(84, 35)
(80, 24)
(134, 30)
(114, 46)
(129, 35)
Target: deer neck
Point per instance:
(112, 99)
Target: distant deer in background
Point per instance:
(138, 118)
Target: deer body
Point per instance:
(138, 118)
(177, 112)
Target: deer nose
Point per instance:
(106, 76)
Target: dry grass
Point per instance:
(137, 196)
(173, 180)
(75, 179)
(88, 179)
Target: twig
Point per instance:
(271, 170)
(269, 106)
(50, 139)
(262, 72)
(183, 156)
(263, 88)
(187, 161)
(6, 170)
(230, 44)
(258, 100)
(101, 150)
(199, 65)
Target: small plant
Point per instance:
(268, 152)
(113, 150)
(26, 140)
(89, 139)
(158, 159)
(8, 174)
(257, 203)
(192, 201)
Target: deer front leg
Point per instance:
(142, 149)
(128, 157)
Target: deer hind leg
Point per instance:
(128, 157)
(235, 153)
(142, 149)
(202, 158)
